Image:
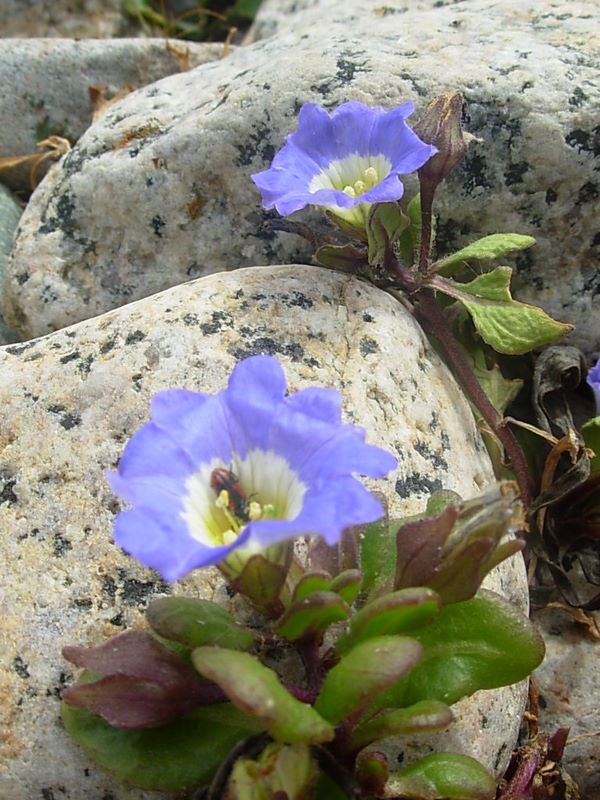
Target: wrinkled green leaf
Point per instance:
(427, 715)
(310, 616)
(497, 245)
(179, 756)
(442, 776)
(315, 581)
(393, 613)
(481, 643)
(256, 689)
(364, 673)
(196, 622)
(386, 222)
(591, 434)
(507, 325)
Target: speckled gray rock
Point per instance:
(159, 190)
(10, 213)
(45, 83)
(70, 401)
(568, 681)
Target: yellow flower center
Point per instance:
(271, 488)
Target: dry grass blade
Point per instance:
(55, 148)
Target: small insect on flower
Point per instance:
(225, 480)
(295, 463)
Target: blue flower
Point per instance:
(593, 378)
(345, 161)
(245, 468)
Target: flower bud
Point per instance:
(441, 126)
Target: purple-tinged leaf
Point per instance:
(255, 689)
(427, 715)
(136, 654)
(126, 702)
(372, 772)
(142, 685)
(394, 613)
(363, 674)
(347, 584)
(195, 622)
(310, 616)
(313, 581)
(419, 547)
(481, 643)
(535, 772)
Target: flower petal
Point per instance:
(293, 454)
(327, 153)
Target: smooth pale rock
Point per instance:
(10, 213)
(70, 401)
(567, 681)
(45, 83)
(159, 190)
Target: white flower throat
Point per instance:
(354, 175)
(261, 486)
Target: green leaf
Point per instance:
(386, 222)
(591, 435)
(497, 245)
(397, 612)
(261, 580)
(411, 236)
(196, 622)
(439, 500)
(256, 690)
(177, 757)
(312, 615)
(327, 789)
(481, 643)
(315, 581)
(500, 391)
(347, 584)
(343, 258)
(427, 715)
(364, 673)
(243, 9)
(442, 776)
(507, 325)
(378, 554)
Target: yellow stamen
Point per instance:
(349, 190)
(229, 537)
(255, 510)
(371, 177)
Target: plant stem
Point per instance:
(427, 192)
(430, 308)
(428, 305)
